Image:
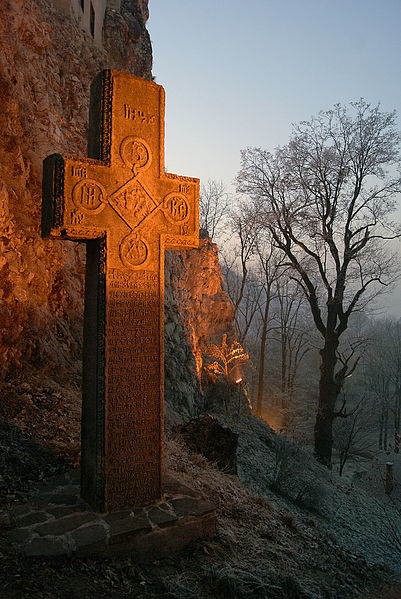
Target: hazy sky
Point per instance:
(238, 73)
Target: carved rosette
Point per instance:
(134, 251)
(176, 208)
(136, 155)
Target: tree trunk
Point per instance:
(283, 362)
(262, 358)
(397, 418)
(328, 392)
(385, 428)
(342, 463)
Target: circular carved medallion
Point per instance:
(175, 208)
(89, 196)
(133, 251)
(135, 154)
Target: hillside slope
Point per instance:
(287, 529)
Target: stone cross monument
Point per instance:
(128, 210)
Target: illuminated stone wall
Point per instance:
(46, 67)
(198, 312)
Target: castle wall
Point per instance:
(89, 14)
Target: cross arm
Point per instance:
(73, 194)
(181, 211)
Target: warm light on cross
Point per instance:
(128, 210)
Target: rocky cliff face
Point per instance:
(46, 66)
(197, 313)
(126, 39)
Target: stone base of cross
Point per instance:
(125, 207)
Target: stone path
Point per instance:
(58, 522)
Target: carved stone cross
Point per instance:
(128, 211)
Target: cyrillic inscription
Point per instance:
(178, 241)
(79, 171)
(175, 207)
(89, 196)
(184, 188)
(140, 116)
(77, 217)
(133, 370)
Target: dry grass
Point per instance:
(260, 550)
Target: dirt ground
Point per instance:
(270, 543)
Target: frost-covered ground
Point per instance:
(354, 509)
(287, 527)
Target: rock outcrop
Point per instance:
(47, 64)
(126, 39)
(197, 313)
(217, 443)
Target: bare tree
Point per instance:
(382, 365)
(269, 269)
(213, 207)
(351, 437)
(227, 358)
(294, 341)
(395, 339)
(326, 199)
(379, 379)
(240, 286)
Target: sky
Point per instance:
(238, 73)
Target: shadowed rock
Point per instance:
(205, 435)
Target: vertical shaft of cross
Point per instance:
(122, 458)
(134, 387)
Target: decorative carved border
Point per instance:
(180, 177)
(82, 159)
(106, 116)
(58, 192)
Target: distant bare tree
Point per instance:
(395, 339)
(382, 365)
(350, 436)
(294, 337)
(213, 207)
(326, 198)
(269, 271)
(240, 286)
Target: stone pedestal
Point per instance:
(58, 522)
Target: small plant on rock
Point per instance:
(227, 359)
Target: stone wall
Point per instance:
(46, 66)
(88, 13)
(125, 37)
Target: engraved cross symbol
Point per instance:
(128, 211)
